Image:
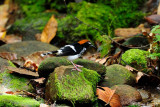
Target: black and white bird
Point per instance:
(73, 51)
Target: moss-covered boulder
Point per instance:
(128, 94)
(136, 58)
(101, 69)
(117, 74)
(65, 84)
(27, 47)
(48, 65)
(12, 82)
(17, 101)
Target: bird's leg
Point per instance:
(80, 66)
(76, 67)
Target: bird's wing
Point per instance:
(67, 50)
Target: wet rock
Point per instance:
(48, 65)
(91, 65)
(117, 74)
(137, 41)
(73, 86)
(27, 47)
(127, 94)
(145, 94)
(17, 101)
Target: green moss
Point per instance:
(136, 58)
(14, 82)
(49, 64)
(78, 86)
(17, 101)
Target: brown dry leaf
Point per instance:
(129, 32)
(12, 38)
(4, 14)
(8, 55)
(2, 33)
(153, 19)
(131, 68)
(158, 10)
(33, 60)
(39, 80)
(139, 75)
(50, 30)
(107, 95)
(115, 101)
(22, 71)
(103, 60)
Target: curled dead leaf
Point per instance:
(33, 60)
(22, 71)
(8, 55)
(50, 30)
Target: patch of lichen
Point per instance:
(136, 58)
(78, 86)
(17, 101)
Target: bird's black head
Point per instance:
(86, 43)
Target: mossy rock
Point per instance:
(117, 74)
(48, 65)
(17, 101)
(101, 69)
(27, 47)
(14, 82)
(65, 84)
(136, 58)
(128, 94)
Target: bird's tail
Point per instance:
(48, 53)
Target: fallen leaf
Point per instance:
(131, 68)
(130, 32)
(50, 30)
(22, 71)
(12, 38)
(33, 60)
(139, 75)
(108, 96)
(153, 19)
(39, 80)
(8, 55)
(2, 34)
(115, 101)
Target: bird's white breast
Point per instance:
(73, 57)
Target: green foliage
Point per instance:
(156, 41)
(30, 7)
(17, 101)
(135, 57)
(104, 15)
